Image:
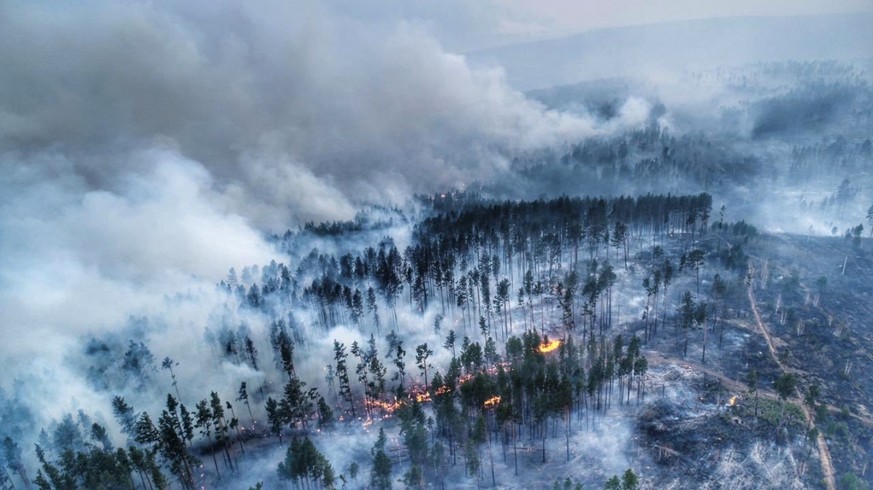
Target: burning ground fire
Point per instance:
(732, 401)
(387, 407)
(419, 394)
(547, 347)
(422, 395)
(492, 402)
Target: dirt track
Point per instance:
(827, 466)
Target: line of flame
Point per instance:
(493, 401)
(550, 346)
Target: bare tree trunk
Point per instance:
(568, 432)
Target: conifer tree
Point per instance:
(380, 474)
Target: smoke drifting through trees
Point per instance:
(507, 388)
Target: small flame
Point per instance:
(493, 401)
(547, 347)
(732, 401)
(386, 407)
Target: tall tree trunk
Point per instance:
(567, 414)
(215, 461)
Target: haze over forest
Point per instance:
(551, 244)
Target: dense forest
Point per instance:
(528, 324)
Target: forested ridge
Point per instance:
(520, 294)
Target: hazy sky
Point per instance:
(467, 25)
(544, 16)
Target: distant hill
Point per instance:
(664, 50)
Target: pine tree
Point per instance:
(303, 462)
(491, 355)
(785, 385)
(274, 418)
(629, 480)
(395, 348)
(244, 397)
(219, 423)
(380, 474)
(168, 364)
(12, 455)
(172, 449)
(325, 413)
(373, 307)
(204, 421)
(187, 424)
(450, 342)
(422, 353)
(342, 373)
(285, 348)
(251, 352)
(125, 416)
(145, 430)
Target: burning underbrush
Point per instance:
(424, 395)
(549, 346)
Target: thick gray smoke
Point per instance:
(295, 110)
(147, 146)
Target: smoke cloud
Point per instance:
(147, 146)
(267, 97)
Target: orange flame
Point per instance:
(387, 407)
(493, 401)
(732, 401)
(549, 346)
(422, 395)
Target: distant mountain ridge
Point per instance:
(668, 49)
